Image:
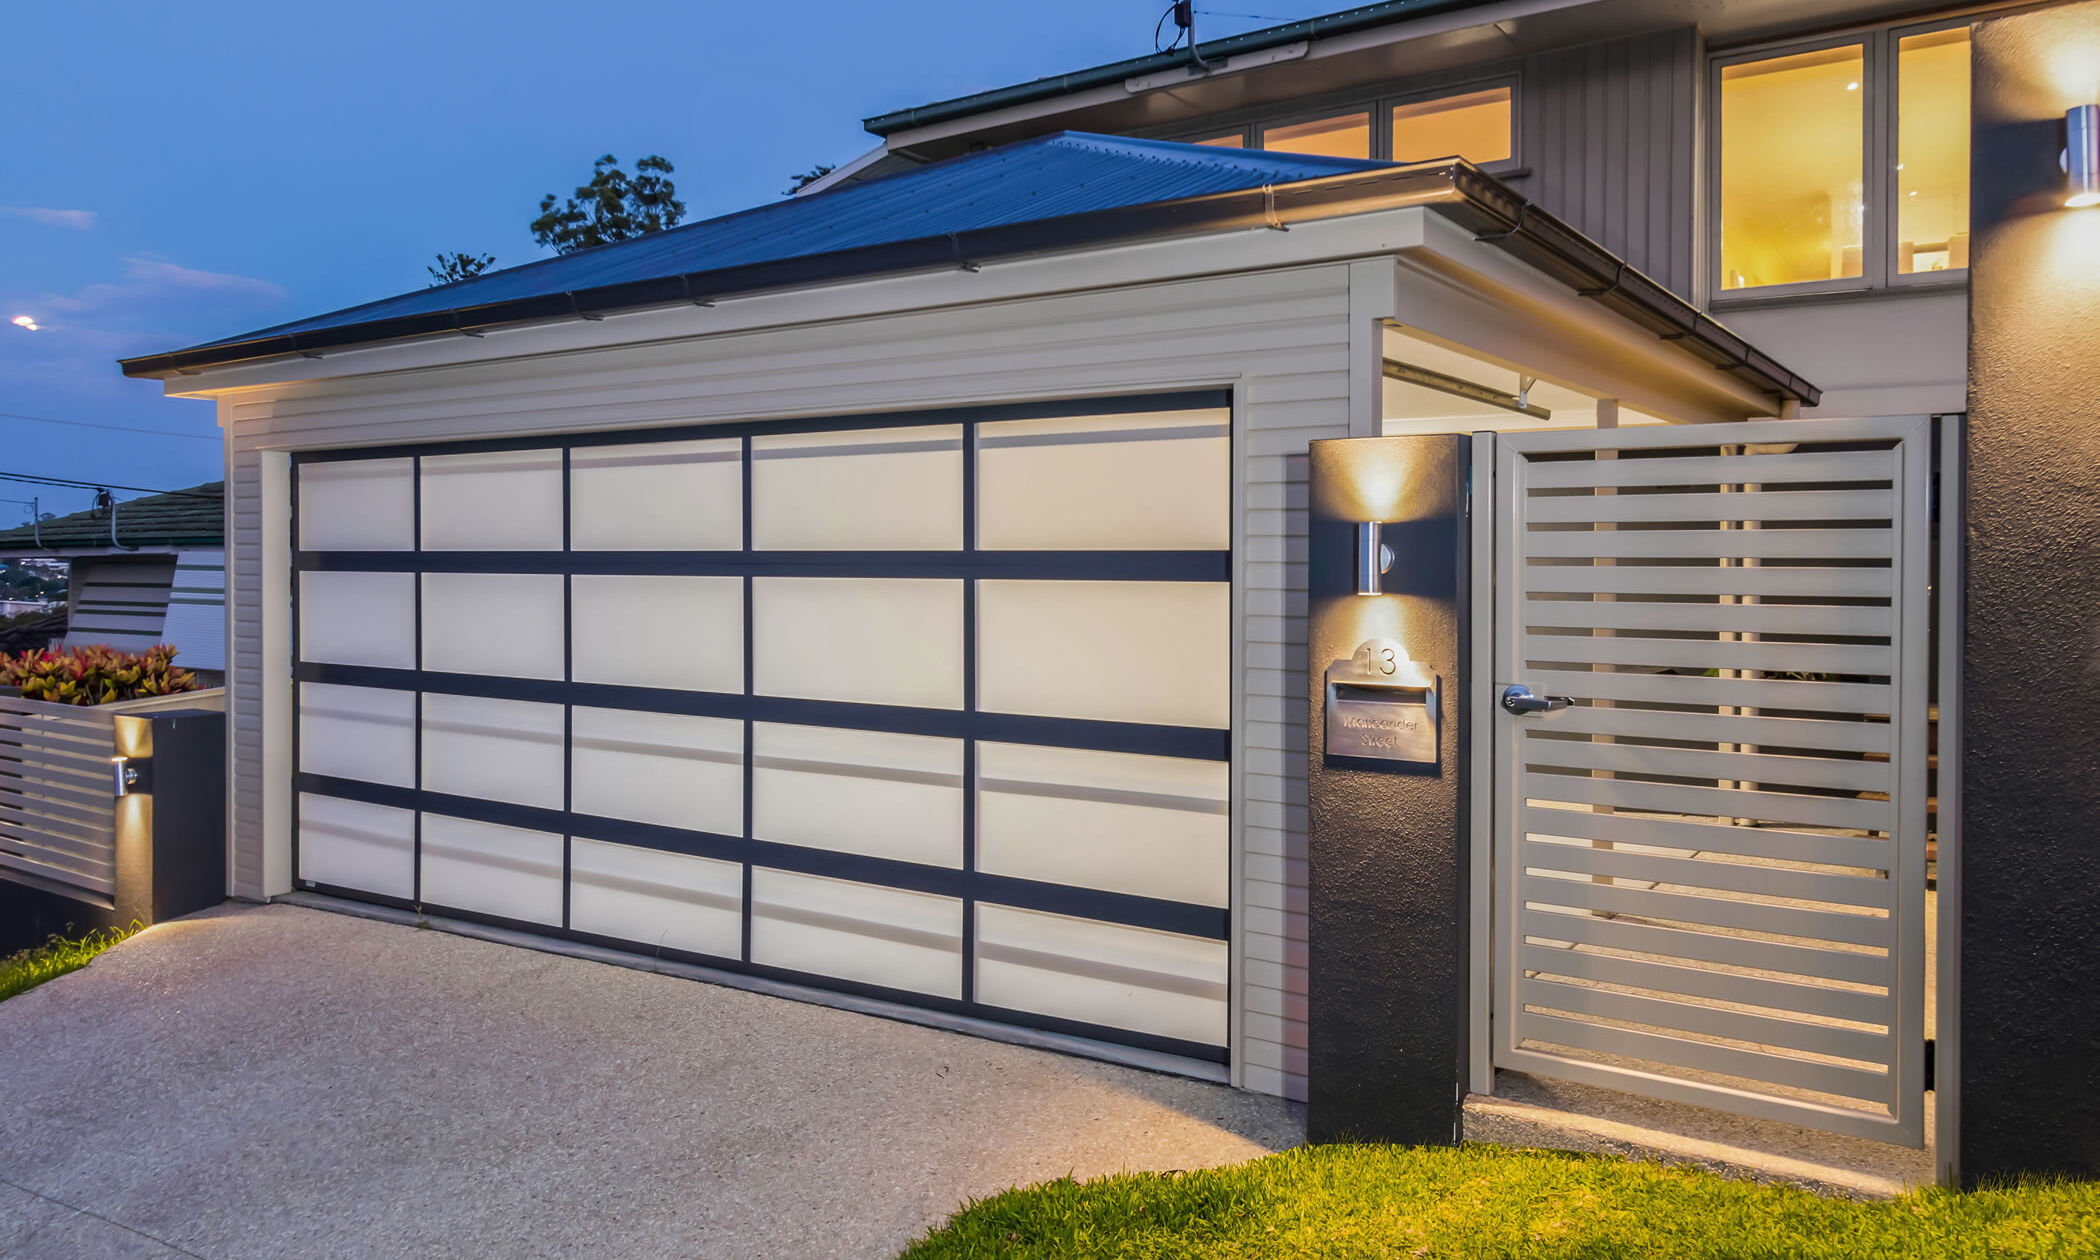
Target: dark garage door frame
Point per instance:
(967, 724)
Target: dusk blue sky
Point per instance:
(173, 173)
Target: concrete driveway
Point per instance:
(281, 1081)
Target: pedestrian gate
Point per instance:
(1711, 673)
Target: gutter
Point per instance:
(1117, 71)
(1457, 190)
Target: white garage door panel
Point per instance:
(358, 505)
(894, 796)
(1148, 826)
(662, 900)
(879, 936)
(358, 618)
(1155, 652)
(499, 750)
(657, 496)
(657, 631)
(1153, 480)
(665, 768)
(1102, 973)
(509, 872)
(507, 624)
(934, 707)
(358, 733)
(355, 845)
(866, 640)
(492, 501)
(858, 490)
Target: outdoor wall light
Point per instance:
(123, 776)
(1373, 558)
(2081, 159)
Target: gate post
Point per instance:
(1387, 848)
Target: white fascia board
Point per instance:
(1167, 80)
(1381, 232)
(1477, 297)
(843, 173)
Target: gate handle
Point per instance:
(1520, 699)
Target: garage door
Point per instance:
(930, 707)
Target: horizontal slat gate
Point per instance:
(57, 816)
(1710, 868)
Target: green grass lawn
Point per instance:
(1484, 1201)
(54, 958)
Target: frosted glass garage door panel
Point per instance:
(662, 900)
(1157, 652)
(858, 490)
(1102, 973)
(358, 505)
(362, 733)
(880, 936)
(492, 501)
(351, 844)
(491, 869)
(893, 796)
(644, 631)
(657, 496)
(1153, 481)
(358, 619)
(1148, 826)
(499, 750)
(507, 624)
(868, 640)
(665, 768)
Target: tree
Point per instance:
(612, 207)
(452, 268)
(808, 177)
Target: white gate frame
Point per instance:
(1947, 587)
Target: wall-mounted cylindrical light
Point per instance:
(1373, 558)
(2081, 161)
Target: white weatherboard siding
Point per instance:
(1279, 337)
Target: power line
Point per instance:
(68, 483)
(114, 428)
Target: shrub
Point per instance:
(94, 674)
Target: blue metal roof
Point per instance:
(1045, 178)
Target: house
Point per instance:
(1034, 588)
(141, 571)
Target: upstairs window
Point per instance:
(1344, 136)
(1844, 165)
(1476, 126)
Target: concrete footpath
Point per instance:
(280, 1081)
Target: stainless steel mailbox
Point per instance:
(1382, 706)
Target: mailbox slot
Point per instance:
(1381, 721)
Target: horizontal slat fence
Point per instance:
(58, 821)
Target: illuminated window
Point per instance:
(1793, 163)
(1345, 136)
(1472, 125)
(1932, 151)
(1230, 140)
(1844, 167)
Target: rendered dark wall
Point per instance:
(1386, 928)
(2030, 999)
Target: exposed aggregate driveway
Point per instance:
(284, 1081)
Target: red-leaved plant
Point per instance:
(94, 674)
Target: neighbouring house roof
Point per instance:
(1062, 191)
(1114, 72)
(195, 517)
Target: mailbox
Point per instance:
(1382, 706)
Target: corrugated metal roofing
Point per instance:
(1045, 178)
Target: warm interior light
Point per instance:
(1793, 168)
(1373, 558)
(2081, 160)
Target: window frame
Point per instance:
(1878, 147)
(1379, 107)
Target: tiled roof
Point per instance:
(193, 517)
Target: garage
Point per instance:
(932, 707)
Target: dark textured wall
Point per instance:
(1386, 1026)
(2030, 974)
